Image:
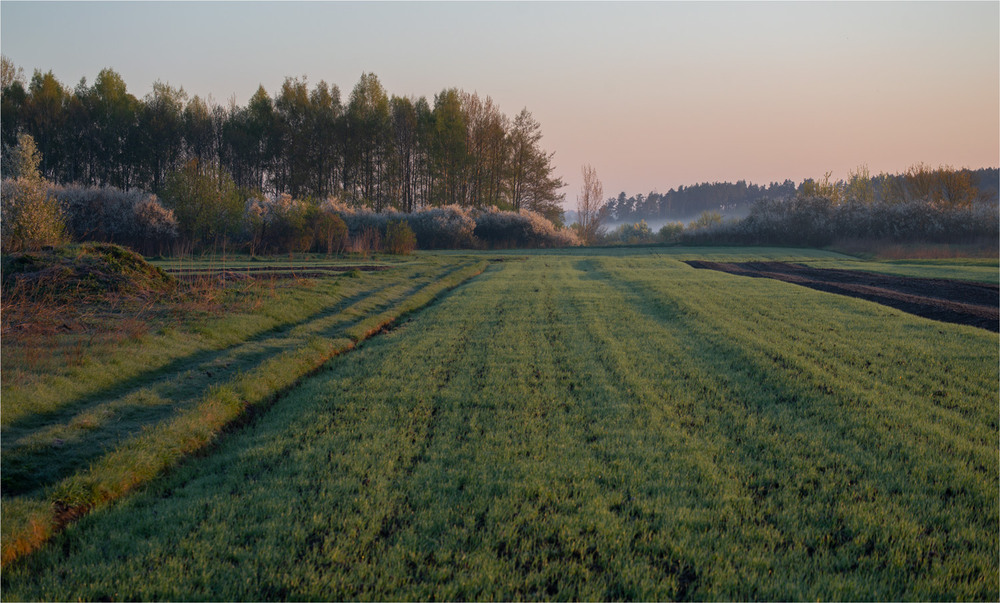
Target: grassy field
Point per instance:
(77, 434)
(569, 425)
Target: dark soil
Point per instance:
(962, 302)
(250, 272)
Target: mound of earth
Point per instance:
(76, 272)
(962, 302)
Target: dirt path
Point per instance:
(961, 302)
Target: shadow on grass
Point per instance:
(85, 430)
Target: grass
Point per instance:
(983, 270)
(76, 439)
(977, 248)
(604, 425)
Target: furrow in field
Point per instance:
(203, 362)
(933, 403)
(85, 431)
(80, 393)
(582, 428)
(302, 349)
(194, 373)
(792, 417)
(675, 479)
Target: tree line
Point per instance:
(688, 201)
(371, 149)
(919, 182)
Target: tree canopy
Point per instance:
(374, 150)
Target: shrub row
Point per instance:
(640, 233)
(275, 225)
(455, 227)
(818, 221)
(105, 214)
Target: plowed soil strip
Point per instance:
(960, 302)
(246, 272)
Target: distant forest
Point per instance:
(371, 149)
(730, 199)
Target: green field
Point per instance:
(565, 425)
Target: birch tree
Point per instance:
(590, 210)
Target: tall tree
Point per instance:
(405, 152)
(258, 146)
(486, 144)
(161, 133)
(531, 181)
(113, 116)
(292, 112)
(44, 115)
(590, 209)
(368, 137)
(324, 124)
(449, 148)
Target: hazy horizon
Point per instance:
(653, 95)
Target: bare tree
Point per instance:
(590, 209)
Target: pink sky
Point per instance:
(653, 95)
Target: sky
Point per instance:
(653, 95)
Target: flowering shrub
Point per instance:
(32, 217)
(525, 228)
(445, 227)
(449, 226)
(103, 214)
(111, 215)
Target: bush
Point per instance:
(707, 219)
(367, 241)
(286, 227)
(632, 234)
(330, 232)
(452, 227)
(110, 215)
(670, 232)
(525, 228)
(206, 202)
(399, 238)
(32, 217)
(446, 227)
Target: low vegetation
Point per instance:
(77, 434)
(74, 273)
(822, 221)
(204, 210)
(576, 424)
(919, 210)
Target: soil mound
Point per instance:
(962, 302)
(79, 272)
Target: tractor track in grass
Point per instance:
(955, 301)
(299, 349)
